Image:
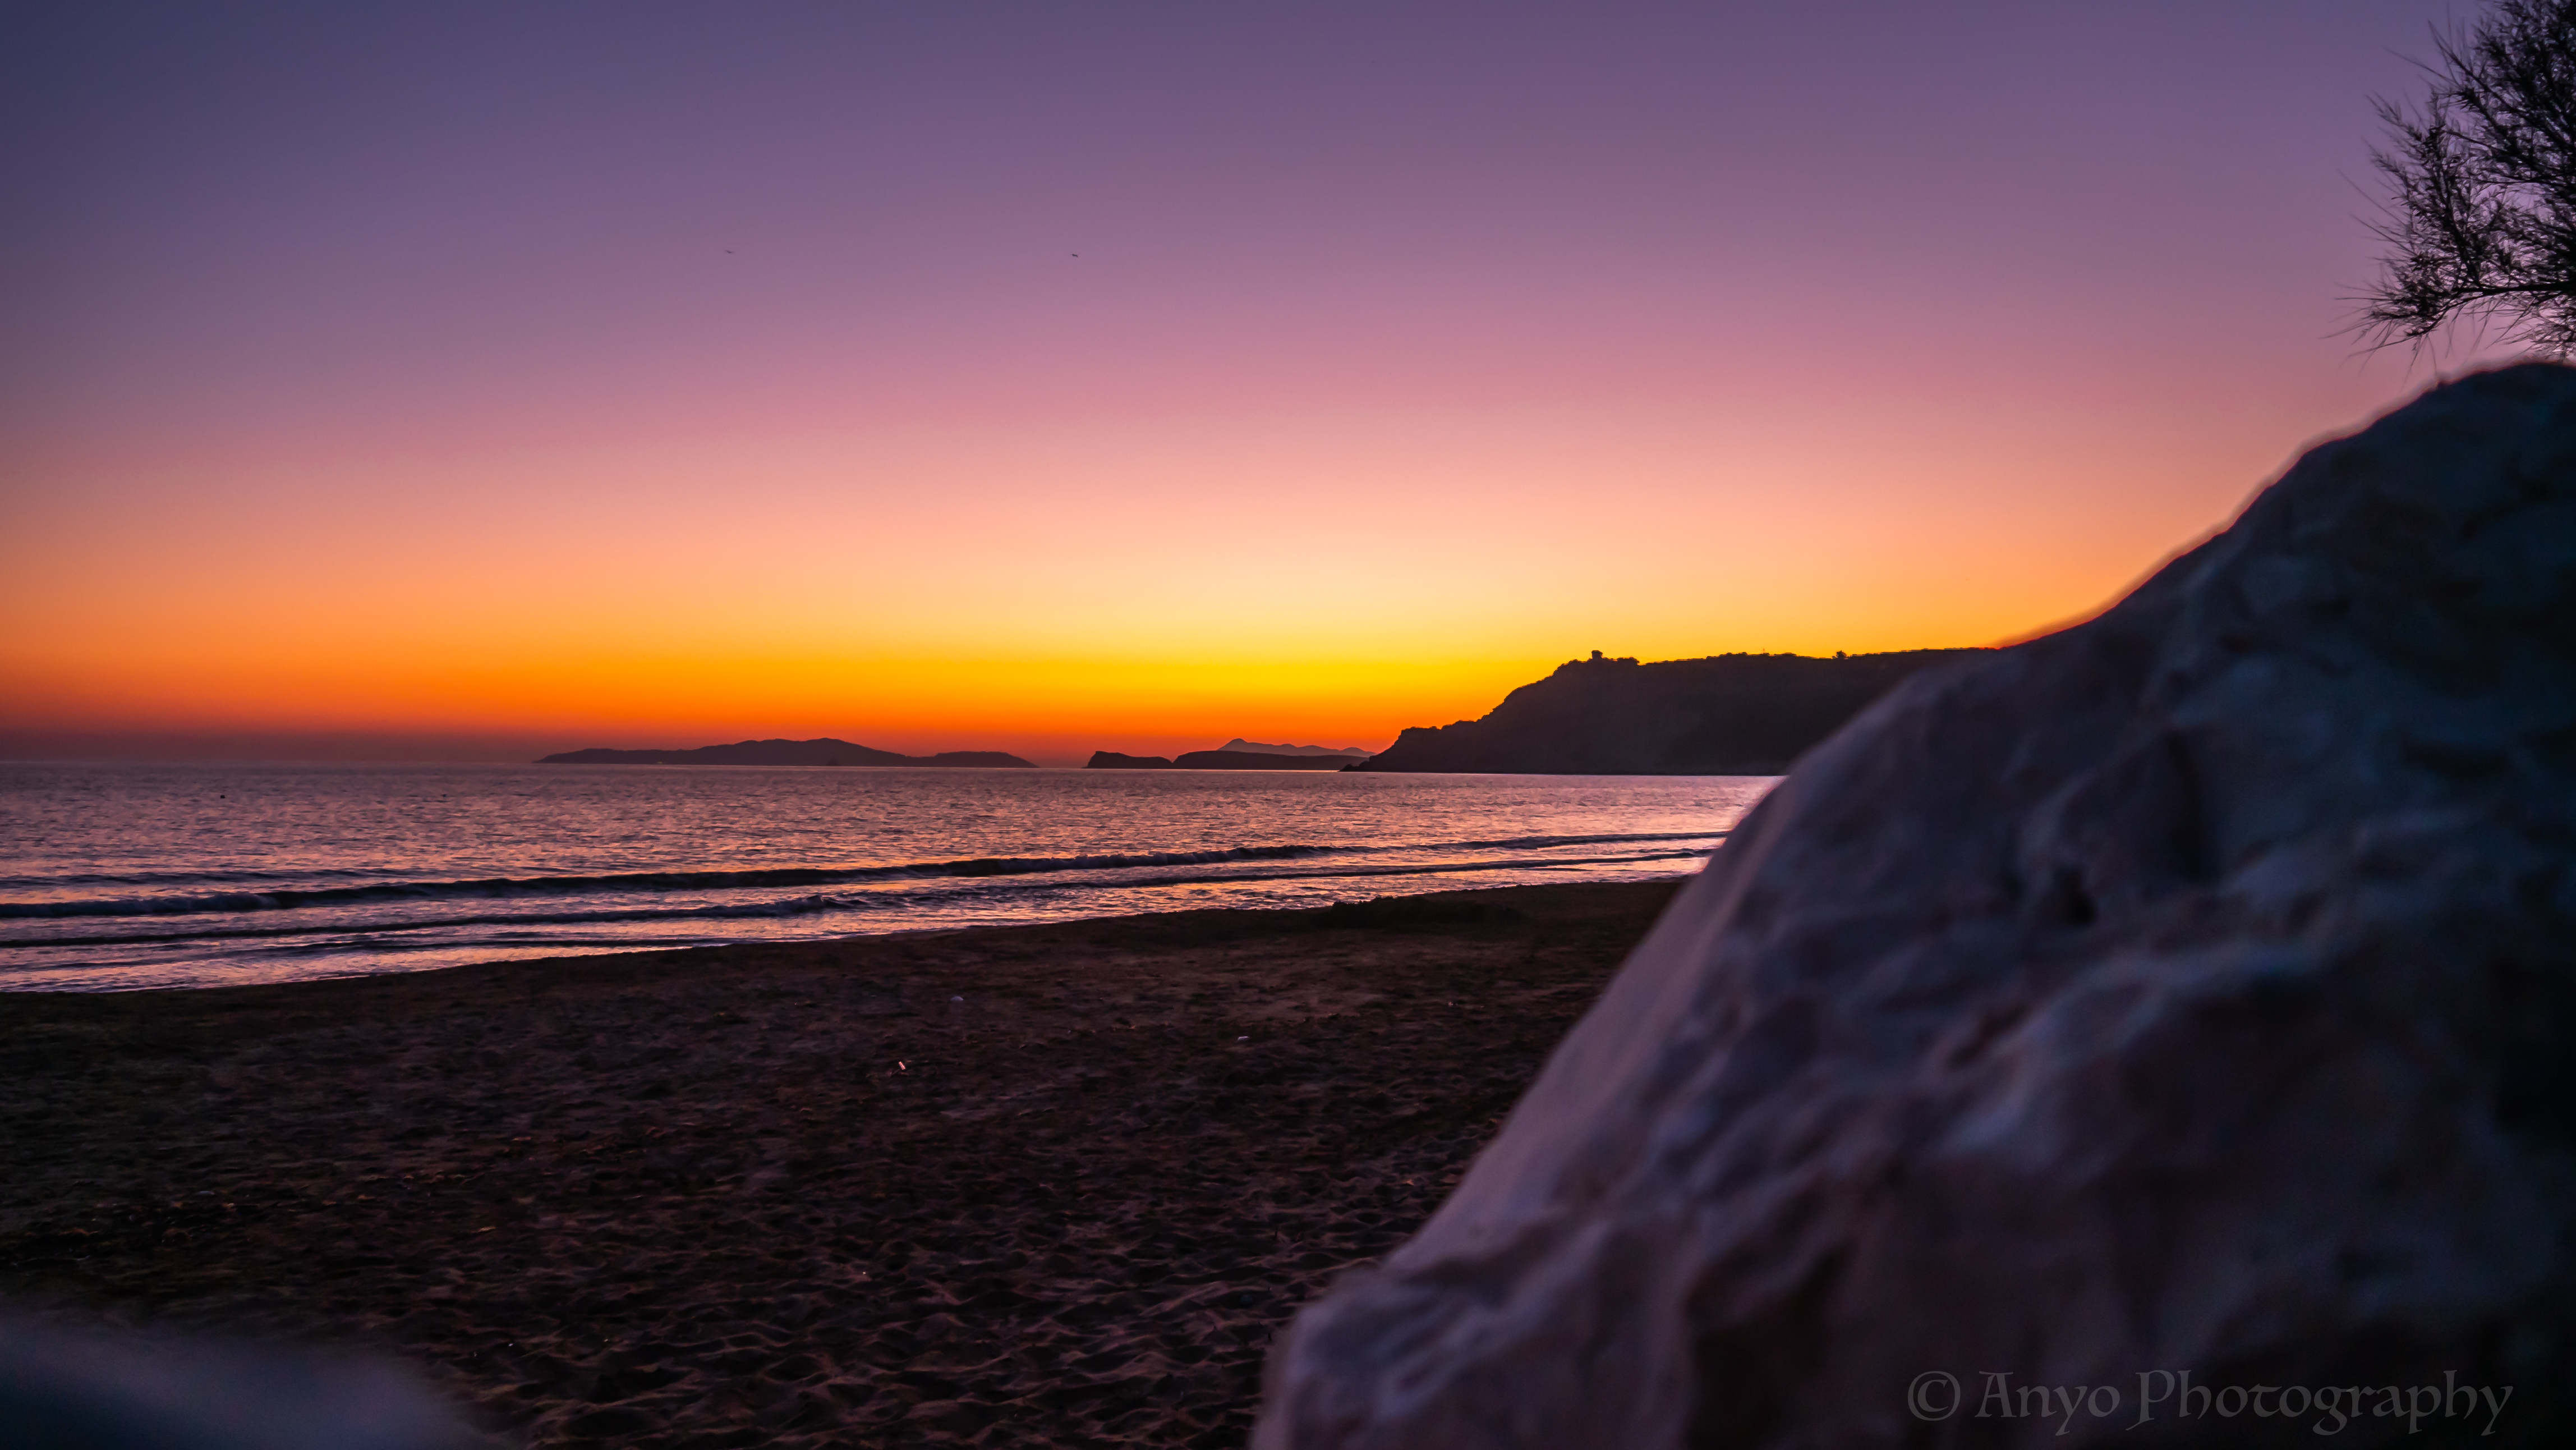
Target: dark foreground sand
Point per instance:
(798, 1195)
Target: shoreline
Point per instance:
(1055, 1182)
(70, 981)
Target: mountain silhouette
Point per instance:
(788, 752)
(1226, 757)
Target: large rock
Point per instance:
(2193, 990)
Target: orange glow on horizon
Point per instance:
(1323, 581)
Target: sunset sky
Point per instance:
(465, 381)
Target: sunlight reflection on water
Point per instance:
(124, 876)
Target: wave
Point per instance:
(498, 887)
(360, 930)
(637, 881)
(355, 933)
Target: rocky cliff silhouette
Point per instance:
(1739, 714)
(789, 752)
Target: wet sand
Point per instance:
(1051, 1185)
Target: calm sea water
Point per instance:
(126, 876)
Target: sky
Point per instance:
(474, 380)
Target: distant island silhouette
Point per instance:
(789, 752)
(1226, 757)
(1252, 747)
(1738, 714)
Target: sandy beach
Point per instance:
(1033, 1185)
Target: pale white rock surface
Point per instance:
(2193, 989)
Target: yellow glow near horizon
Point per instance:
(1159, 581)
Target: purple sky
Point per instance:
(444, 273)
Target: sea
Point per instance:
(119, 877)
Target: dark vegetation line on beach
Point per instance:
(800, 1195)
